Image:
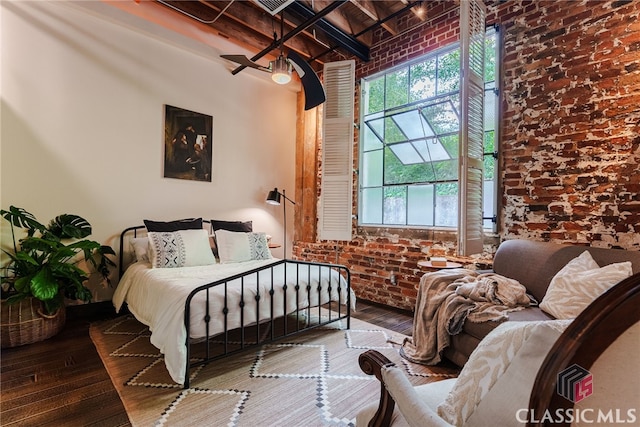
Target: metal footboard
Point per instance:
(255, 328)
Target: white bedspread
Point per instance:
(156, 297)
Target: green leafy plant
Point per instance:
(43, 264)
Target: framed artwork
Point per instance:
(188, 144)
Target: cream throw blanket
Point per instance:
(447, 298)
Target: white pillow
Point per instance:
(583, 262)
(510, 342)
(184, 248)
(140, 248)
(579, 283)
(237, 247)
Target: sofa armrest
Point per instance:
(393, 382)
(414, 410)
(371, 362)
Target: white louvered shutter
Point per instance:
(336, 193)
(472, 31)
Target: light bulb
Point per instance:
(281, 73)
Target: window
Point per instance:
(409, 142)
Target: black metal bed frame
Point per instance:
(296, 313)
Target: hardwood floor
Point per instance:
(59, 382)
(396, 320)
(62, 382)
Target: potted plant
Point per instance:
(43, 270)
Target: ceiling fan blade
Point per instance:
(243, 60)
(313, 90)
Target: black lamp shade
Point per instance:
(274, 197)
(314, 94)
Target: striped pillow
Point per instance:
(579, 283)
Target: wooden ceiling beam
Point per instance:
(347, 28)
(371, 9)
(351, 23)
(248, 26)
(343, 40)
(253, 18)
(311, 20)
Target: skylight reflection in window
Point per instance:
(413, 124)
(414, 135)
(406, 153)
(431, 149)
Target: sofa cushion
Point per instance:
(480, 330)
(463, 344)
(460, 347)
(529, 314)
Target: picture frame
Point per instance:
(188, 144)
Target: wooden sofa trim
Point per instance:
(584, 340)
(371, 362)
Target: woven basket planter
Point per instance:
(25, 323)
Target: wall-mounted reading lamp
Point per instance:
(273, 198)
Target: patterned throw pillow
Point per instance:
(184, 248)
(485, 371)
(239, 247)
(579, 283)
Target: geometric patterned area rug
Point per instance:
(310, 379)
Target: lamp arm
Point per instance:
(283, 195)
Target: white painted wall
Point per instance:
(83, 88)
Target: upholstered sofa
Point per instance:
(533, 264)
(512, 377)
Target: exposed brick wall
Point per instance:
(414, 38)
(372, 259)
(570, 144)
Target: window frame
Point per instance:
(491, 30)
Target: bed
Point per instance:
(199, 310)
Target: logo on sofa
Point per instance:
(575, 383)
